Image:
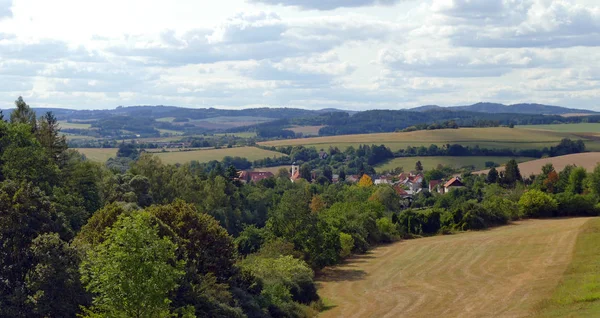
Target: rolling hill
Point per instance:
(495, 108)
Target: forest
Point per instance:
(156, 240)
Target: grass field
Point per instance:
(166, 119)
(98, 154)
(250, 153)
(503, 272)
(578, 294)
(66, 125)
(454, 162)
(588, 160)
(306, 130)
(484, 137)
(569, 128)
(273, 170)
(239, 134)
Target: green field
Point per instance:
(239, 134)
(171, 132)
(578, 293)
(483, 137)
(66, 125)
(568, 128)
(250, 153)
(98, 154)
(454, 162)
(306, 130)
(166, 119)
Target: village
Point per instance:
(406, 184)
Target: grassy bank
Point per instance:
(578, 293)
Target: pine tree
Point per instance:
(492, 176)
(23, 114)
(419, 166)
(48, 134)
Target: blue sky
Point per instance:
(350, 54)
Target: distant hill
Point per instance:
(495, 108)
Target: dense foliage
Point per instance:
(156, 240)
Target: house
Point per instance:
(383, 180)
(322, 155)
(335, 178)
(435, 186)
(253, 176)
(453, 184)
(401, 192)
(352, 178)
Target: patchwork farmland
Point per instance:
(587, 160)
(497, 137)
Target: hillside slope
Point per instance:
(588, 160)
(504, 272)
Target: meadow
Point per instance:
(98, 154)
(497, 137)
(507, 271)
(429, 163)
(578, 294)
(587, 160)
(250, 153)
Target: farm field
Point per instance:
(569, 128)
(273, 170)
(506, 271)
(484, 137)
(66, 125)
(250, 153)
(306, 130)
(454, 162)
(588, 160)
(98, 154)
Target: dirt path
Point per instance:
(501, 273)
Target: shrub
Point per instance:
(387, 229)
(535, 203)
(347, 243)
(572, 204)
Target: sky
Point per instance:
(347, 54)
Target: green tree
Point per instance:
(48, 134)
(512, 174)
(347, 244)
(595, 180)
(419, 166)
(492, 176)
(23, 114)
(133, 271)
(576, 181)
(53, 285)
(305, 172)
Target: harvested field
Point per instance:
(588, 160)
(484, 137)
(98, 154)
(250, 153)
(569, 128)
(503, 272)
(454, 162)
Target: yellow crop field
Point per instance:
(497, 137)
(503, 272)
(66, 125)
(588, 160)
(454, 162)
(98, 154)
(250, 153)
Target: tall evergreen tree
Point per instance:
(512, 174)
(23, 114)
(492, 176)
(48, 134)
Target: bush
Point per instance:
(347, 243)
(387, 229)
(535, 204)
(503, 206)
(576, 205)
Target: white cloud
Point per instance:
(328, 4)
(5, 9)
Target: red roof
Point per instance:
(434, 183)
(454, 182)
(400, 191)
(257, 176)
(296, 175)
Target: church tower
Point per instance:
(295, 168)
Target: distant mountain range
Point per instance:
(494, 108)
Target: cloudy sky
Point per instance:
(350, 54)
